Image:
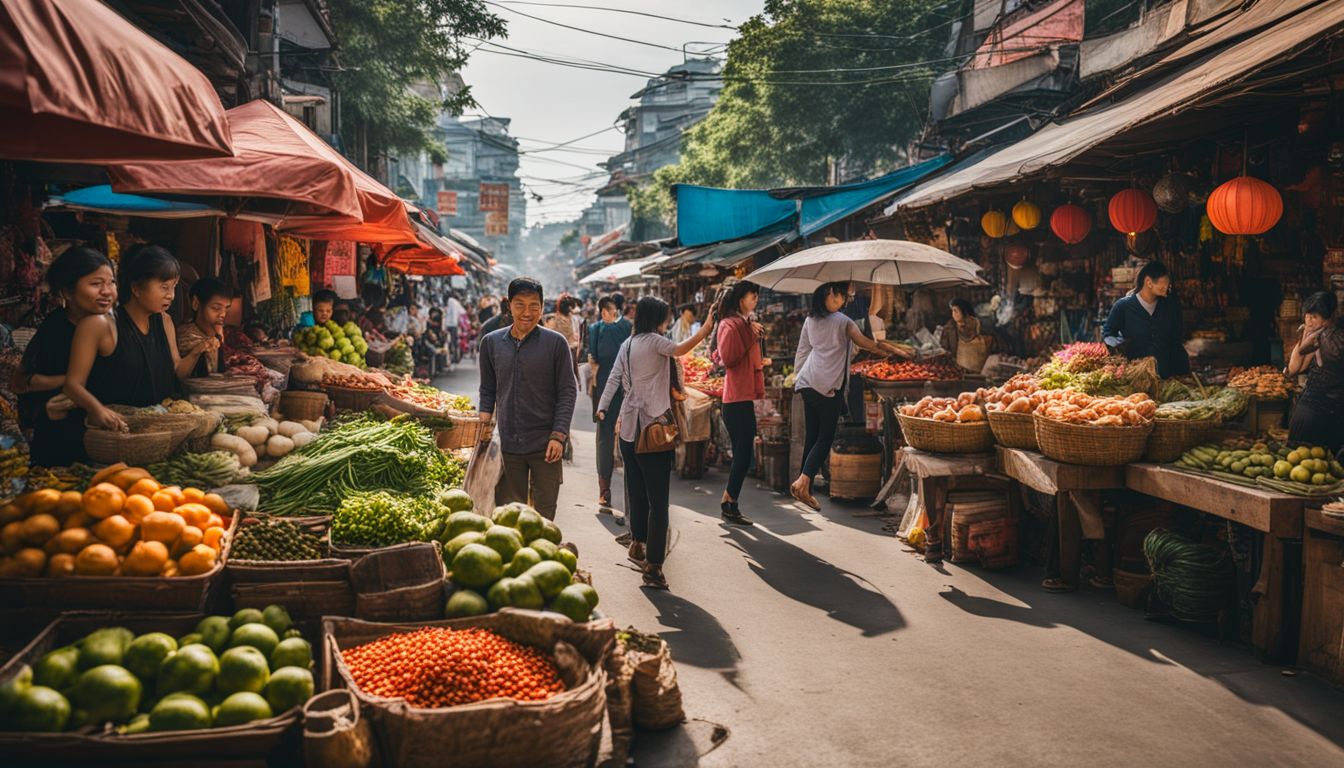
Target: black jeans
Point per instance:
(740, 419)
(821, 415)
(606, 434)
(647, 476)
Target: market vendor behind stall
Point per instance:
(1147, 323)
(210, 301)
(1318, 415)
(81, 278)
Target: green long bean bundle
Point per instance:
(357, 455)
(1191, 579)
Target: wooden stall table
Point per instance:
(933, 474)
(1277, 515)
(891, 394)
(1321, 642)
(1077, 492)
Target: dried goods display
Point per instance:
(1263, 381)
(961, 409)
(1073, 407)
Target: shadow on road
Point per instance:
(699, 640)
(801, 576)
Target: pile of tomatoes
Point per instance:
(909, 371)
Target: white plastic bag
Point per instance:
(483, 473)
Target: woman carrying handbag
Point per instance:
(646, 369)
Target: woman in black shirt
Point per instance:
(1318, 415)
(82, 280)
(131, 358)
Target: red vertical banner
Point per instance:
(497, 224)
(447, 202)
(494, 198)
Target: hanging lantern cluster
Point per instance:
(1245, 206)
(1070, 223)
(994, 224)
(1016, 255)
(1132, 211)
(1027, 215)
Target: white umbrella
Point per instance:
(621, 271)
(884, 262)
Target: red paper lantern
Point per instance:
(1016, 255)
(1245, 206)
(1070, 223)
(1132, 211)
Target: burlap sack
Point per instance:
(334, 734)
(565, 730)
(656, 695)
(620, 702)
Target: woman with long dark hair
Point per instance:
(644, 370)
(130, 357)
(82, 280)
(1318, 414)
(737, 347)
(822, 368)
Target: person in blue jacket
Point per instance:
(1147, 323)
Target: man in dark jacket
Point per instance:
(1147, 323)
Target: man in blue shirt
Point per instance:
(1147, 323)
(528, 386)
(604, 340)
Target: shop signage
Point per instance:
(497, 224)
(447, 202)
(494, 198)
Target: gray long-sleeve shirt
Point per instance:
(529, 385)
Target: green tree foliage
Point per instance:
(810, 82)
(386, 46)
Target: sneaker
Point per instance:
(636, 554)
(731, 515)
(653, 577)
(625, 539)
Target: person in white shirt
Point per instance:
(453, 312)
(822, 368)
(686, 325)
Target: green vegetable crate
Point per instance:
(254, 741)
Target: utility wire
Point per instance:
(581, 29)
(620, 10)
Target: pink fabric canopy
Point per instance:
(78, 83)
(278, 157)
(384, 213)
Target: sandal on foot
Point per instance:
(809, 500)
(1057, 585)
(637, 555)
(653, 577)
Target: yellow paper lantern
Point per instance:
(995, 224)
(1027, 215)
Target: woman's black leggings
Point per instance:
(740, 419)
(647, 478)
(821, 415)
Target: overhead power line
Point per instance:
(711, 25)
(581, 29)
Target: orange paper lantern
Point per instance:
(1027, 214)
(1070, 223)
(995, 224)
(1245, 206)
(1132, 211)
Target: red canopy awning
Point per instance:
(278, 157)
(385, 217)
(78, 83)
(431, 254)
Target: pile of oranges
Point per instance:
(125, 524)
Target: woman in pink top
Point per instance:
(738, 350)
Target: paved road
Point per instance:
(818, 639)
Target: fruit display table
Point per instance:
(1278, 516)
(1321, 643)
(1077, 492)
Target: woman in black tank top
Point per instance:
(131, 357)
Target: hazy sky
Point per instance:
(550, 103)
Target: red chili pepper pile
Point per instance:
(435, 667)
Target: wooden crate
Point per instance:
(1321, 641)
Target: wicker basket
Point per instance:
(464, 434)
(134, 448)
(323, 570)
(1173, 437)
(945, 436)
(1131, 589)
(297, 404)
(1013, 430)
(1089, 445)
(349, 399)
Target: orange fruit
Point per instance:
(216, 504)
(163, 501)
(215, 521)
(136, 507)
(80, 519)
(31, 561)
(61, 564)
(191, 536)
(176, 492)
(145, 487)
(38, 528)
(128, 477)
(169, 569)
(115, 531)
(72, 540)
(71, 503)
(199, 560)
(10, 512)
(193, 494)
(103, 500)
(11, 537)
(102, 475)
(213, 538)
(43, 502)
(162, 526)
(96, 560)
(146, 559)
(195, 514)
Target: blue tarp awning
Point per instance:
(103, 200)
(709, 215)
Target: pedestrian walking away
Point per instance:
(822, 368)
(738, 350)
(645, 369)
(528, 388)
(605, 338)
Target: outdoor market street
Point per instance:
(819, 639)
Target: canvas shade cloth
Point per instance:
(78, 83)
(621, 270)
(883, 262)
(386, 217)
(431, 255)
(278, 157)
(101, 199)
